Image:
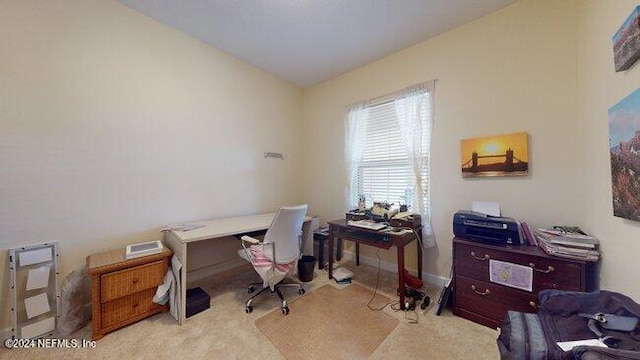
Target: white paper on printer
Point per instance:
(486, 207)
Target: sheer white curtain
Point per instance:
(355, 134)
(414, 109)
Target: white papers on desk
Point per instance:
(181, 227)
(568, 345)
(367, 224)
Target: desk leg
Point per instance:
(339, 251)
(180, 251)
(401, 276)
(357, 254)
(330, 252)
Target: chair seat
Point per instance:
(271, 275)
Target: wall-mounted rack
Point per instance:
(274, 155)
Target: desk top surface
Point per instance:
(235, 225)
(115, 259)
(404, 237)
(225, 226)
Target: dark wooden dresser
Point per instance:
(478, 299)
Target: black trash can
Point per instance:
(306, 264)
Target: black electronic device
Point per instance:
(480, 227)
(197, 300)
(369, 235)
(413, 296)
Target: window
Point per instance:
(387, 150)
(384, 172)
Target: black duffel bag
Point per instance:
(567, 316)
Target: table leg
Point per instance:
(401, 276)
(330, 249)
(419, 260)
(357, 254)
(320, 251)
(339, 251)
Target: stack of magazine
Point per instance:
(568, 242)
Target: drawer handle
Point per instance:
(483, 293)
(134, 281)
(534, 305)
(485, 257)
(135, 305)
(548, 270)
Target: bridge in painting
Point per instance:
(510, 163)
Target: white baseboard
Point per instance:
(428, 278)
(209, 271)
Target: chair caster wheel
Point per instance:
(301, 291)
(248, 309)
(250, 289)
(285, 310)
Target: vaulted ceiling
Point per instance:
(307, 42)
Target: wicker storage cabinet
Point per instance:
(122, 290)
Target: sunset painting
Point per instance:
(624, 150)
(500, 155)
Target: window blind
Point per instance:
(384, 174)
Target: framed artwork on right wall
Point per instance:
(624, 150)
(626, 42)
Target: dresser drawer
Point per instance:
(491, 300)
(127, 307)
(128, 281)
(473, 262)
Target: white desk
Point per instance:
(212, 229)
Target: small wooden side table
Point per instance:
(122, 290)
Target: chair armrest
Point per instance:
(249, 239)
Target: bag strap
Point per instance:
(614, 322)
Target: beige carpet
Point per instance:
(225, 331)
(329, 323)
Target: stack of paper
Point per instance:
(341, 274)
(568, 244)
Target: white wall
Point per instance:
(113, 125)
(510, 71)
(600, 89)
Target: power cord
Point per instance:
(393, 304)
(375, 290)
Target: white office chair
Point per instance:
(277, 255)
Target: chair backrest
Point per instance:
(285, 231)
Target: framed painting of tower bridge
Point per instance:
(624, 151)
(498, 155)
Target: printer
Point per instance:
(484, 228)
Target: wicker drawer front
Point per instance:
(491, 300)
(127, 307)
(129, 281)
(473, 262)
